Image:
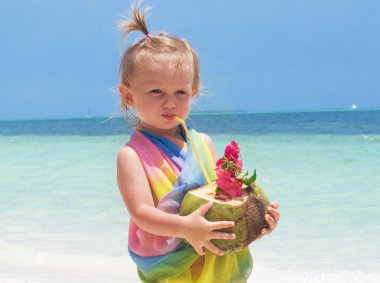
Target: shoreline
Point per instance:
(20, 264)
(120, 273)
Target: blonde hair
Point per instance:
(160, 47)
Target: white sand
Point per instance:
(21, 264)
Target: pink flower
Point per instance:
(234, 188)
(232, 151)
(235, 145)
(228, 183)
(227, 169)
(238, 165)
(224, 174)
(219, 162)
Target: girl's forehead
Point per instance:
(166, 69)
(166, 63)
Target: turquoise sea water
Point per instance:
(60, 201)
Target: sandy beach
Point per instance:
(22, 265)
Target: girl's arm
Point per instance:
(135, 191)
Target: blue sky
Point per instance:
(60, 58)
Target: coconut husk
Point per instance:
(247, 211)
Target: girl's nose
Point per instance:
(169, 103)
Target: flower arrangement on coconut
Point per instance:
(230, 175)
(236, 198)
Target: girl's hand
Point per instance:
(272, 218)
(199, 231)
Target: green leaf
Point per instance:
(241, 175)
(251, 180)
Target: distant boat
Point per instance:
(354, 106)
(88, 113)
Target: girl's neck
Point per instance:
(174, 132)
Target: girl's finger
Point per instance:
(221, 224)
(269, 218)
(223, 236)
(271, 224)
(204, 208)
(275, 204)
(211, 247)
(274, 213)
(199, 250)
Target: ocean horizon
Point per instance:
(204, 112)
(346, 122)
(63, 219)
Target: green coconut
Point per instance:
(247, 211)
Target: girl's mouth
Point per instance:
(168, 116)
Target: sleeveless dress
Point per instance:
(173, 170)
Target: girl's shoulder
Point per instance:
(127, 156)
(129, 152)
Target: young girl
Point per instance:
(159, 76)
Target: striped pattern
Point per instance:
(172, 170)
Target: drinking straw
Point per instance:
(196, 153)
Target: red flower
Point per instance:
(238, 165)
(232, 151)
(235, 145)
(224, 174)
(228, 168)
(228, 183)
(219, 162)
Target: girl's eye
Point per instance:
(181, 92)
(155, 91)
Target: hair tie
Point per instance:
(147, 35)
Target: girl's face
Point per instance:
(159, 91)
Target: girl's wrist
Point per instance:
(182, 227)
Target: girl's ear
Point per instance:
(195, 92)
(126, 95)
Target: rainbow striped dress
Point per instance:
(172, 170)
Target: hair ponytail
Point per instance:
(136, 22)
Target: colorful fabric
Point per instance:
(172, 170)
